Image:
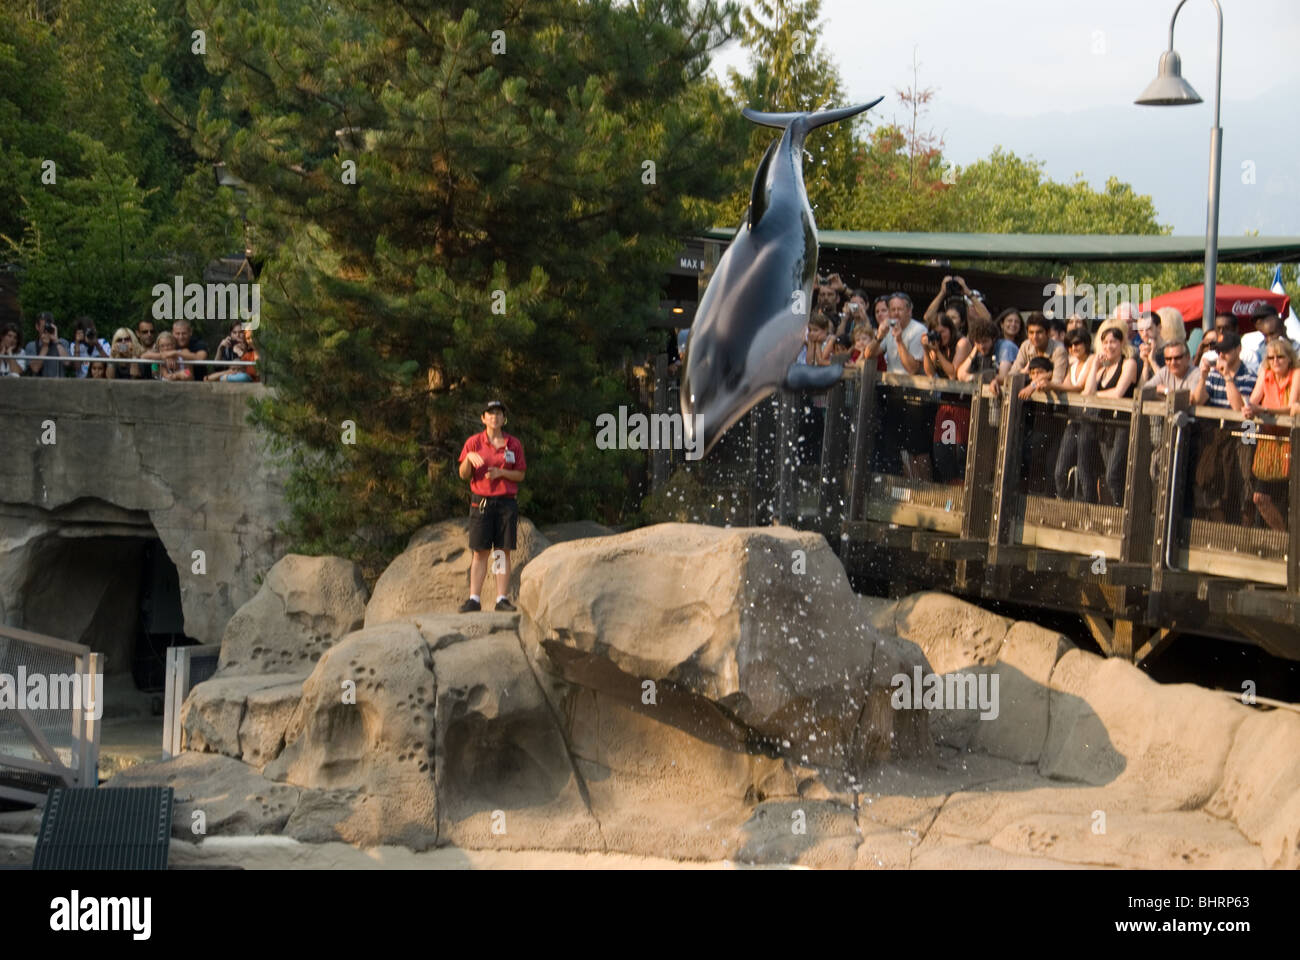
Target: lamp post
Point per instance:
(227, 179)
(1169, 89)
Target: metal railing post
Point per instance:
(1137, 488)
(1169, 495)
(1007, 468)
(864, 438)
(788, 418)
(830, 498)
(763, 440)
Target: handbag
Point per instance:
(1272, 458)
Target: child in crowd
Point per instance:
(171, 367)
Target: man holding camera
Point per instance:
(906, 428)
(493, 462)
(954, 288)
(1223, 323)
(42, 353)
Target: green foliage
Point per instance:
(32, 93)
(475, 172)
(81, 239)
(128, 207)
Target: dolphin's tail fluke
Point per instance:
(811, 120)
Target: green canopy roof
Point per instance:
(1061, 248)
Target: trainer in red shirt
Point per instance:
(493, 462)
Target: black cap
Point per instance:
(1228, 342)
(494, 405)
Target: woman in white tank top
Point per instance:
(1081, 361)
(1072, 447)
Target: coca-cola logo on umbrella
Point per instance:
(1244, 308)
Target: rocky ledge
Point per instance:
(705, 694)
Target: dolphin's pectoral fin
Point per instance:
(804, 376)
(758, 194)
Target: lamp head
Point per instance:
(1169, 89)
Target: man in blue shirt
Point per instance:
(1224, 483)
(1225, 382)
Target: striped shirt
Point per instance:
(1218, 387)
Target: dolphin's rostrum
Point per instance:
(750, 324)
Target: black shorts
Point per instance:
(493, 523)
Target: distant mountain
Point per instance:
(1161, 151)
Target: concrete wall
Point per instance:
(172, 460)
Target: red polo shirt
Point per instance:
(509, 456)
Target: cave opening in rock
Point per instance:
(118, 595)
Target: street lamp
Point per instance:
(228, 180)
(1169, 89)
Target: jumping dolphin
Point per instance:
(750, 324)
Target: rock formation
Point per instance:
(699, 693)
(132, 462)
(432, 574)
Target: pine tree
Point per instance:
(457, 202)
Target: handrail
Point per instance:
(1227, 413)
(915, 381)
(28, 357)
(1091, 401)
(1057, 398)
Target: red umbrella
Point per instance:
(1233, 298)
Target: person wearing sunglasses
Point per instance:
(124, 346)
(1277, 391)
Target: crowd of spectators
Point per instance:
(1129, 351)
(177, 355)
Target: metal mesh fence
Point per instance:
(1236, 503)
(1074, 453)
(49, 731)
(23, 661)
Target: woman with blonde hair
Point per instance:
(1126, 348)
(1172, 326)
(171, 367)
(1276, 391)
(125, 346)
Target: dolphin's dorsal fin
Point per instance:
(758, 193)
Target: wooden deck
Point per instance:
(1141, 573)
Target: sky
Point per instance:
(1056, 80)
